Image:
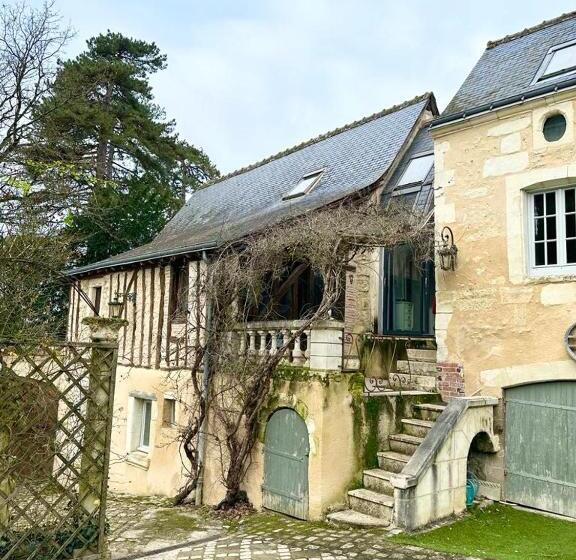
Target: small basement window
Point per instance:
(305, 185)
(560, 60)
(417, 170)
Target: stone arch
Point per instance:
(481, 447)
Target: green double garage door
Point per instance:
(541, 446)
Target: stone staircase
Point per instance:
(373, 505)
(418, 371)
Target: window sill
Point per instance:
(139, 459)
(550, 278)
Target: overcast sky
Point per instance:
(246, 79)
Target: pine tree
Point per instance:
(101, 117)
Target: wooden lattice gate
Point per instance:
(56, 404)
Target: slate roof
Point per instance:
(354, 157)
(508, 66)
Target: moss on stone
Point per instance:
(300, 374)
(372, 443)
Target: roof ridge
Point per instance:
(529, 30)
(319, 138)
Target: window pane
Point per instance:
(550, 228)
(571, 225)
(540, 254)
(562, 59)
(147, 416)
(417, 170)
(551, 252)
(571, 251)
(539, 204)
(304, 185)
(539, 229)
(407, 291)
(569, 197)
(554, 128)
(550, 203)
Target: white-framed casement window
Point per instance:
(552, 216)
(142, 424)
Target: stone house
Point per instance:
(468, 364)
(505, 156)
(386, 155)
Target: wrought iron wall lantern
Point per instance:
(116, 306)
(447, 250)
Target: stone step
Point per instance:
(417, 368)
(400, 393)
(378, 480)
(392, 461)
(351, 518)
(371, 503)
(416, 427)
(428, 411)
(404, 443)
(417, 355)
(414, 382)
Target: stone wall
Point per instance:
(502, 325)
(325, 401)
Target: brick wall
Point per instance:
(450, 380)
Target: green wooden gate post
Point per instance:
(95, 461)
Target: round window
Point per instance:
(554, 127)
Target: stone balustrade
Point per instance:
(318, 347)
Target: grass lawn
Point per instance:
(502, 533)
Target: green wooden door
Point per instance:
(541, 446)
(286, 452)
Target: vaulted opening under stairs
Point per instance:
(417, 406)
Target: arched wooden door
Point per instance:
(286, 451)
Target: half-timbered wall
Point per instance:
(152, 338)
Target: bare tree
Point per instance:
(32, 251)
(240, 379)
(30, 41)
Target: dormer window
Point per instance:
(417, 170)
(560, 59)
(305, 185)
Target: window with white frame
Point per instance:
(553, 231)
(142, 424)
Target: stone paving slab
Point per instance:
(273, 537)
(143, 524)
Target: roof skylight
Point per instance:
(559, 61)
(417, 170)
(305, 185)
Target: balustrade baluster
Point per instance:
(297, 353)
(252, 341)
